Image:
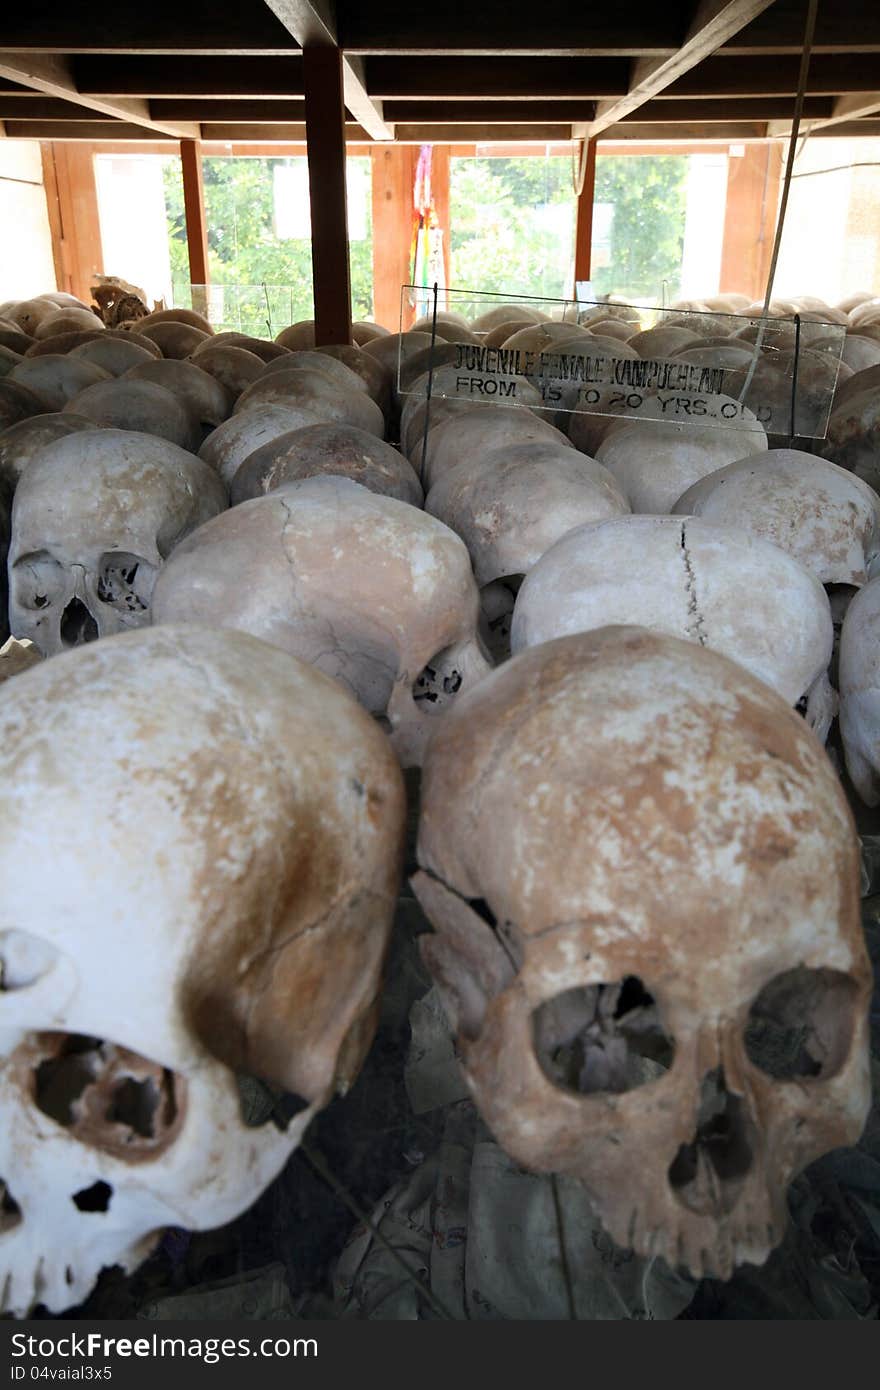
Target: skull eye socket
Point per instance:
(601, 1038)
(107, 1097)
(125, 582)
(39, 580)
(800, 1026)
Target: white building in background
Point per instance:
(831, 242)
(134, 234)
(26, 264)
(704, 225)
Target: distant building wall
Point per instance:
(26, 264)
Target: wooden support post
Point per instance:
(440, 185)
(394, 168)
(753, 181)
(583, 233)
(325, 135)
(196, 222)
(72, 205)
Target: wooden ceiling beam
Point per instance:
(312, 23)
(843, 26)
(197, 27)
(52, 75)
(844, 110)
(775, 76)
(229, 79)
(497, 27)
(479, 134)
(729, 109)
(272, 111)
(442, 113)
(497, 79)
(713, 23)
(659, 132)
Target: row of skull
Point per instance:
(570, 904)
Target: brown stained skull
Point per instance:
(644, 881)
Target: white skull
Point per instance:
(199, 860)
(859, 684)
(510, 505)
(644, 879)
(824, 516)
(94, 517)
(370, 590)
(718, 586)
(656, 459)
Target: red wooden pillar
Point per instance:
(196, 221)
(325, 136)
(583, 234)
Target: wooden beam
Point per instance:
(583, 232)
(368, 112)
(53, 76)
(844, 26)
(497, 112)
(313, 24)
(753, 182)
(714, 22)
(844, 109)
(198, 27)
(79, 132)
(508, 26)
(63, 279)
(207, 112)
(728, 109)
(196, 221)
(72, 202)
(659, 132)
(775, 76)
(482, 134)
(497, 79)
(249, 133)
(325, 127)
(393, 173)
(227, 79)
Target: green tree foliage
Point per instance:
(512, 232)
(513, 224)
(244, 250)
(648, 195)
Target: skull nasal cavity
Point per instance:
(77, 624)
(707, 1173)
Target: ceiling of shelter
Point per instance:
(505, 71)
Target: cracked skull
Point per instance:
(199, 859)
(94, 518)
(716, 585)
(643, 877)
(367, 588)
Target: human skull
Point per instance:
(859, 683)
(644, 880)
(94, 517)
(656, 458)
(510, 505)
(199, 860)
(370, 590)
(718, 586)
(824, 516)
